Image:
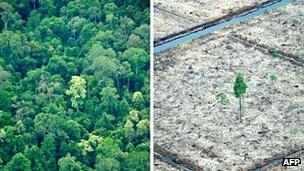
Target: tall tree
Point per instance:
(138, 58)
(239, 90)
(34, 155)
(48, 149)
(77, 90)
(109, 99)
(18, 163)
(69, 163)
(9, 16)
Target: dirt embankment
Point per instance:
(176, 18)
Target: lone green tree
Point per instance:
(239, 90)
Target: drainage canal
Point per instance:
(201, 30)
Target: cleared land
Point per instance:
(172, 16)
(281, 29)
(190, 122)
(166, 23)
(278, 167)
(159, 165)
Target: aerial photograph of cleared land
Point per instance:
(231, 98)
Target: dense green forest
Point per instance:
(74, 85)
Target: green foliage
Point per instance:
(239, 86)
(108, 164)
(73, 75)
(48, 150)
(136, 127)
(239, 90)
(302, 56)
(137, 57)
(18, 163)
(137, 161)
(109, 99)
(69, 163)
(273, 79)
(5, 100)
(273, 52)
(222, 99)
(77, 91)
(34, 155)
(143, 127)
(90, 145)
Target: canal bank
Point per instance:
(197, 31)
(190, 122)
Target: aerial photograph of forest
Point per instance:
(74, 85)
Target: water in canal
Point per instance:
(221, 25)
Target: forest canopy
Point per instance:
(74, 85)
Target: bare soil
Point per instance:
(281, 29)
(166, 23)
(181, 14)
(162, 166)
(191, 123)
(189, 120)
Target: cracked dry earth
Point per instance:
(171, 16)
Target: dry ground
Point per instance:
(281, 29)
(178, 15)
(190, 122)
(162, 166)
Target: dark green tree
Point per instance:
(48, 149)
(109, 99)
(69, 163)
(137, 161)
(107, 164)
(18, 163)
(34, 155)
(239, 90)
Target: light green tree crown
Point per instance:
(77, 90)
